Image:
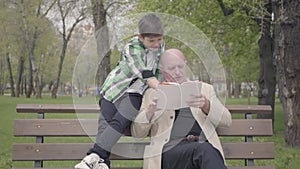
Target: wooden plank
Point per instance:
(241, 167)
(131, 151)
(57, 108)
(88, 127)
(55, 127)
(111, 168)
(249, 150)
(72, 151)
(252, 167)
(230, 167)
(94, 108)
(254, 109)
(73, 168)
(248, 127)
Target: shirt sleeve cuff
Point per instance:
(146, 74)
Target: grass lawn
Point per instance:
(286, 158)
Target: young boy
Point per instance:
(122, 91)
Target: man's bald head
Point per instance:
(172, 66)
(170, 54)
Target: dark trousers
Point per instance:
(192, 155)
(114, 119)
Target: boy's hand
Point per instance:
(153, 82)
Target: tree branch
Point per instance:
(109, 5)
(226, 11)
(50, 7)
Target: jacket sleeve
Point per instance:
(141, 126)
(218, 114)
(134, 58)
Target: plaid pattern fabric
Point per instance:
(130, 66)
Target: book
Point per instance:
(174, 95)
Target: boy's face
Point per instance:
(152, 42)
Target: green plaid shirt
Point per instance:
(130, 67)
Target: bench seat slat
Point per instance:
(74, 127)
(111, 168)
(76, 151)
(249, 150)
(71, 151)
(252, 167)
(242, 167)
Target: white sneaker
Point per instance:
(92, 161)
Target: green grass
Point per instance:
(7, 116)
(286, 158)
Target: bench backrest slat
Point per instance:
(86, 127)
(94, 108)
(57, 108)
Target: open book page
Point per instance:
(189, 90)
(174, 95)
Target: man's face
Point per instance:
(152, 42)
(173, 69)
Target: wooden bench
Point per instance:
(48, 136)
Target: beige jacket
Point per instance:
(161, 124)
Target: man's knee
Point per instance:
(205, 146)
(207, 150)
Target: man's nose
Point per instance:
(177, 71)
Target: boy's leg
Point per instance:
(107, 112)
(118, 118)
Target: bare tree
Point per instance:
(69, 18)
(31, 32)
(11, 79)
(267, 76)
(102, 38)
(287, 56)
(40, 14)
(101, 10)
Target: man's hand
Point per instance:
(152, 108)
(200, 101)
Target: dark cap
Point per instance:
(151, 23)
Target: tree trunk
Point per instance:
(228, 72)
(10, 75)
(229, 88)
(38, 85)
(19, 76)
(287, 51)
(30, 80)
(237, 89)
(102, 37)
(23, 86)
(267, 77)
(35, 72)
(61, 61)
(2, 72)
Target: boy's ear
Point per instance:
(140, 37)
